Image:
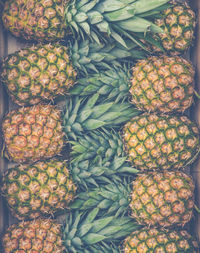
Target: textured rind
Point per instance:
(41, 20)
(178, 23)
(163, 198)
(162, 84)
(160, 142)
(40, 235)
(37, 73)
(40, 189)
(33, 133)
(160, 240)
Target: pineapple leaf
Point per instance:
(92, 124)
(81, 17)
(93, 238)
(91, 216)
(77, 242)
(122, 14)
(85, 229)
(89, 5)
(86, 27)
(100, 224)
(114, 5)
(95, 17)
(143, 6)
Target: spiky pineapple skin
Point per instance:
(178, 23)
(163, 198)
(156, 240)
(156, 141)
(40, 189)
(163, 84)
(41, 20)
(37, 73)
(33, 133)
(40, 235)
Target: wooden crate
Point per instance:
(8, 44)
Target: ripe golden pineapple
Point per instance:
(42, 188)
(156, 240)
(162, 84)
(38, 72)
(162, 198)
(161, 141)
(33, 133)
(178, 23)
(40, 235)
(41, 20)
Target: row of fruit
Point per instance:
(121, 122)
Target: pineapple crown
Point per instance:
(111, 199)
(89, 175)
(113, 19)
(84, 229)
(112, 84)
(101, 144)
(86, 114)
(92, 57)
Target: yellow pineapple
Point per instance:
(163, 84)
(162, 198)
(40, 235)
(160, 241)
(33, 133)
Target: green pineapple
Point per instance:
(44, 72)
(43, 188)
(161, 141)
(178, 23)
(50, 20)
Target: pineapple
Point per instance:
(162, 84)
(40, 189)
(161, 141)
(38, 132)
(156, 240)
(178, 23)
(50, 20)
(111, 198)
(43, 72)
(149, 142)
(82, 233)
(162, 198)
(33, 133)
(37, 73)
(45, 188)
(155, 199)
(40, 235)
